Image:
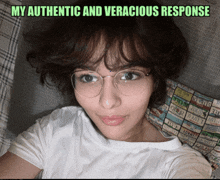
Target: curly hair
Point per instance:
(70, 42)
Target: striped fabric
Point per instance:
(9, 30)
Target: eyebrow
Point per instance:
(86, 68)
(120, 68)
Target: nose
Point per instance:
(109, 96)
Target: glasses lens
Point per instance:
(87, 83)
(128, 82)
(131, 82)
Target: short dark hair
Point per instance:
(71, 41)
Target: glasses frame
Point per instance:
(102, 79)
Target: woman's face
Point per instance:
(117, 116)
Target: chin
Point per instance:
(119, 132)
(116, 137)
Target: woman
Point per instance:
(116, 67)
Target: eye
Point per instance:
(130, 76)
(87, 78)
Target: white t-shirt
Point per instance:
(65, 144)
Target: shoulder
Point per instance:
(61, 116)
(183, 152)
(52, 124)
(46, 135)
(188, 163)
(66, 112)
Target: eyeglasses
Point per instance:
(129, 82)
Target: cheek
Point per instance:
(83, 101)
(90, 105)
(139, 102)
(144, 97)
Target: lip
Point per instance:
(112, 120)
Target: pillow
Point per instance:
(193, 117)
(9, 30)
